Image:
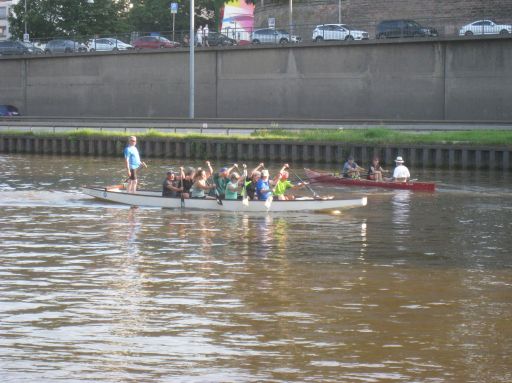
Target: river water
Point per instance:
(412, 288)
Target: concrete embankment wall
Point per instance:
(459, 79)
(419, 156)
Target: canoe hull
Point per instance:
(154, 199)
(327, 178)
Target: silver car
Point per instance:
(107, 44)
(273, 36)
(485, 27)
(338, 32)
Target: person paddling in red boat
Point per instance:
(375, 170)
(351, 169)
(401, 173)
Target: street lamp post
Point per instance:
(339, 11)
(25, 18)
(291, 19)
(192, 44)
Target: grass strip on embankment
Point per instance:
(382, 136)
(373, 136)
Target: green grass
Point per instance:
(384, 136)
(377, 136)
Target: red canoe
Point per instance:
(329, 178)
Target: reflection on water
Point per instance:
(401, 205)
(414, 287)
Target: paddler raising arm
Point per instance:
(283, 184)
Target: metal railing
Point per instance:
(444, 27)
(231, 125)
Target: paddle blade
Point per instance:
(245, 201)
(217, 197)
(268, 202)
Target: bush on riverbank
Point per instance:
(377, 136)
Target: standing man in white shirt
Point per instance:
(199, 36)
(205, 35)
(401, 173)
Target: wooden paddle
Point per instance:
(182, 174)
(245, 197)
(315, 194)
(217, 195)
(268, 201)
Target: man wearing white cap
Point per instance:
(401, 173)
(263, 189)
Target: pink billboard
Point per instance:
(238, 20)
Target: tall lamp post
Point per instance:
(339, 11)
(25, 18)
(191, 78)
(291, 19)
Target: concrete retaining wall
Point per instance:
(418, 80)
(418, 156)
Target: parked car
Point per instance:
(485, 27)
(107, 44)
(12, 48)
(64, 46)
(337, 32)
(216, 39)
(154, 42)
(273, 36)
(8, 110)
(32, 49)
(403, 28)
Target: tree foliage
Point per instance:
(75, 18)
(50, 18)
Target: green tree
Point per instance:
(155, 15)
(51, 18)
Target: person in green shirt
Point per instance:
(283, 184)
(235, 184)
(221, 180)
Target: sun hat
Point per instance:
(284, 175)
(223, 170)
(350, 158)
(264, 173)
(399, 160)
(170, 172)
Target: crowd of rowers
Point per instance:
(229, 183)
(234, 183)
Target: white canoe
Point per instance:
(155, 199)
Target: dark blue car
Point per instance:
(9, 110)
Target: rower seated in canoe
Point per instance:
(401, 172)
(375, 170)
(351, 169)
(283, 184)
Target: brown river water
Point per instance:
(414, 287)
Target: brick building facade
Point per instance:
(447, 16)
